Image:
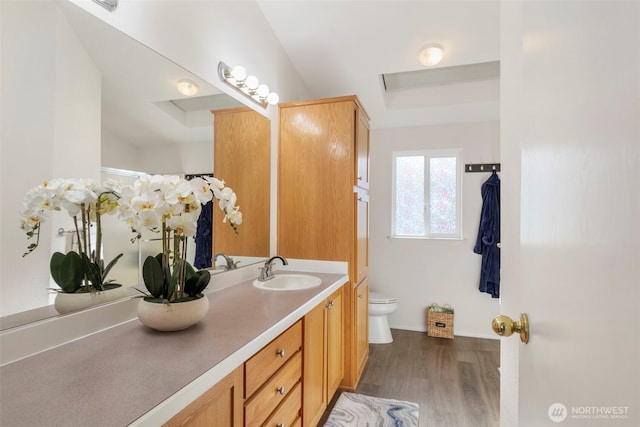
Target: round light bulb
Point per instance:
(252, 82)
(273, 98)
(263, 91)
(430, 54)
(239, 73)
(187, 87)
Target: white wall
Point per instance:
(177, 158)
(421, 272)
(38, 140)
(165, 159)
(118, 154)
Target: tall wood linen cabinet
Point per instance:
(323, 203)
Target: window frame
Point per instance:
(427, 155)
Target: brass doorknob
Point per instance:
(504, 326)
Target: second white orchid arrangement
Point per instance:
(85, 201)
(171, 205)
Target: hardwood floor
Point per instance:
(455, 382)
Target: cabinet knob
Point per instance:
(359, 178)
(361, 296)
(280, 352)
(281, 390)
(281, 425)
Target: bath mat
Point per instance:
(354, 409)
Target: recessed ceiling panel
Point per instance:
(441, 76)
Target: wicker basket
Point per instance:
(440, 321)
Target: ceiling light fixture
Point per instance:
(250, 86)
(430, 54)
(187, 87)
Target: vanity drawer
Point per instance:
(274, 391)
(273, 356)
(289, 412)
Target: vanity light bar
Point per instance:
(249, 86)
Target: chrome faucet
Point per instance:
(265, 272)
(231, 265)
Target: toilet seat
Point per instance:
(378, 298)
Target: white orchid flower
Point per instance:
(215, 182)
(144, 203)
(184, 224)
(235, 216)
(202, 190)
(146, 220)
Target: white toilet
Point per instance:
(380, 306)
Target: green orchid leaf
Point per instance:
(109, 266)
(189, 271)
(70, 272)
(153, 276)
(93, 272)
(166, 274)
(54, 266)
(160, 258)
(197, 283)
(173, 283)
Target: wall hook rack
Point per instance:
(482, 167)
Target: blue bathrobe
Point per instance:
(489, 237)
(203, 237)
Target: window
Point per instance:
(427, 189)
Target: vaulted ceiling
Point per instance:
(343, 47)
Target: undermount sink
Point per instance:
(288, 282)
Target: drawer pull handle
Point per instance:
(281, 390)
(280, 352)
(281, 425)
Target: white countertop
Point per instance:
(132, 375)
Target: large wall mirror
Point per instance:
(147, 126)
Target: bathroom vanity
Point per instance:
(242, 365)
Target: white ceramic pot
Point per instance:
(174, 316)
(66, 303)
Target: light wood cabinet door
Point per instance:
(315, 182)
(335, 342)
(220, 406)
(362, 235)
(323, 356)
(314, 378)
(362, 150)
(362, 325)
(242, 157)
